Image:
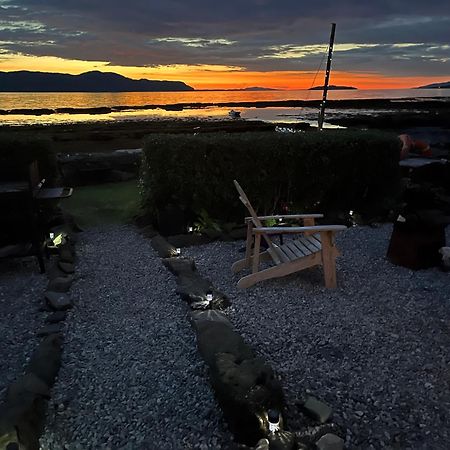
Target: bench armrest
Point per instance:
(288, 216)
(297, 230)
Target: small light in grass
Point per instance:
(190, 229)
(178, 251)
(52, 235)
(209, 296)
(351, 212)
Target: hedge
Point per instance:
(329, 171)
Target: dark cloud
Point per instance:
(245, 33)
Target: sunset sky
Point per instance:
(231, 44)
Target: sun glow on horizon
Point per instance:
(214, 76)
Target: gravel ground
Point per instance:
(131, 376)
(376, 349)
(21, 290)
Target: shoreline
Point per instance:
(420, 103)
(95, 134)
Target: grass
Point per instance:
(103, 203)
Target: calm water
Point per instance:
(93, 100)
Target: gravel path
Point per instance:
(21, 290)
(131, 376)
(377, 349)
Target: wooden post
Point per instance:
(255, 266)
(248, 245)
(328, 259)
(327, 77)
(308, 222)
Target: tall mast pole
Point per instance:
(327, 77)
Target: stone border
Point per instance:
(250, 395)
(23, 412)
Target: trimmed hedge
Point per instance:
(329, 171)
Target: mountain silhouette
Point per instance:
(95, 81)
(443, 85)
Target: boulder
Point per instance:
(217, 337)
(47, 330)
(66, 254)
(246, 390)
(180, 266)
(330, 442)
(193, 288)
(201, 319)
(58, 301)
(46, 360)
(316, 409)
(56, 317)
(22, 415)
(60, 284)
(66, 267)
(162, 247)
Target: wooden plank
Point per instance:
(274, 256)
(295, 249)
(306, 243)
(313, 242)
(329, 260)
(281, 254)
(301, 247)
(279, 271)
(291, 255)
(255, 262)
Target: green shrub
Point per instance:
(334, 170)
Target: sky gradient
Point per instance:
(231, 44)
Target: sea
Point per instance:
(32, 105)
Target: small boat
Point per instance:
(234, 114)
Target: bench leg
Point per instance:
(328, 259)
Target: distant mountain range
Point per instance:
(95, 81)
(443, 85)
(332, 87)
(253, 88)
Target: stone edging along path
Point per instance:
(22, 414)
(245, 386)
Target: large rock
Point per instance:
(58, 301)
(56, 317)
(162, 247)
(60, 284)
(47, 330)
(66, 267)
(22, 415)
(46, 360)
(246, 390)
(330, 442)
(217, 337)
(244, 385)
(193, 288)
(316, 409)
(202, 319)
